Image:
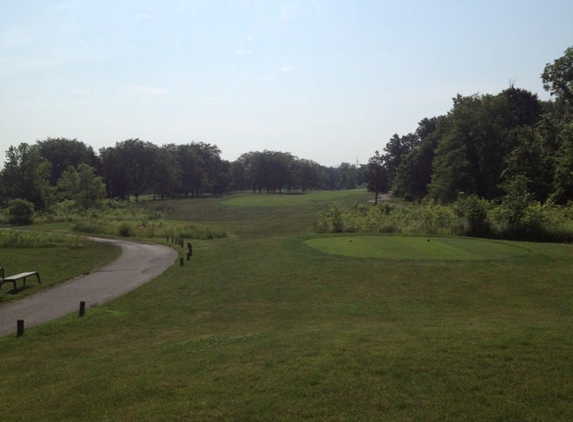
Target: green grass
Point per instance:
(417, 247)
(261, 327)
(56, 257)
(298, 199)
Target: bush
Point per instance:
(20, 212)
(473, 211)
(125, 230)
(468, 216)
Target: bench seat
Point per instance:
(13, 278)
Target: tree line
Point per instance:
(494, 147)
(58, 169)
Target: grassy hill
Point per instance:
(260, 326)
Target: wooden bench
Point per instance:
(13, 278)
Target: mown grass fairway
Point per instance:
(293, 199)
(261, 327)
(417, 247)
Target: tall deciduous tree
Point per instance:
(26, 176)
(395, 151)
(166, 171)
(414, 173)
(558, 77)
(81, 185)
(63, 152)
(376, 176)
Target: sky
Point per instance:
(326, 80)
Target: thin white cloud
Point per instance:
(29, 65)
(244, 52)
(148, 91)
(81, 92)
(285, 69)
(143, 16)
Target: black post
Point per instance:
(188, 256)
(190, 247)
(82, 309)
(20, 328)
(181, 262)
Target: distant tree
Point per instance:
(470, 156)
(376, 176)
(25, 176)
(81, 185)
(563, 176)
(191, 164)
(137, 158)
(525, 109)
(114, 173)
(166, 171)
(532, 159)
(62, 153)
(395, 151)
(557, 126)
(310, 174)
(414, 173)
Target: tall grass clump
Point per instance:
(468, 216)
(387, 218)
(27, 239)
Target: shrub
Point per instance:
(20, 212)
(473, 211)
(125, 229)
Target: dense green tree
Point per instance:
(137, 158)
(471, 154)
(563, 176)
(530, 158)
(191, 165)
(114, 173)
(214, 172)
(558, 77)
(166, 171)
(557, 127)
(395, 151)
(414, 173)
(524, 107)
(63, 152)
(81, 185)
(26, 176)
(376, 176)
(309, 174)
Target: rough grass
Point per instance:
(260, 327)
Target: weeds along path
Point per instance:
(138, 264)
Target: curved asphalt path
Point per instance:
(138, 264)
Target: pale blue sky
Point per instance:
(327, 80)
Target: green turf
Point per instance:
(261, 327)
(291, 199)
(417, 247)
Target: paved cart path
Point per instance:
(138, 264)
